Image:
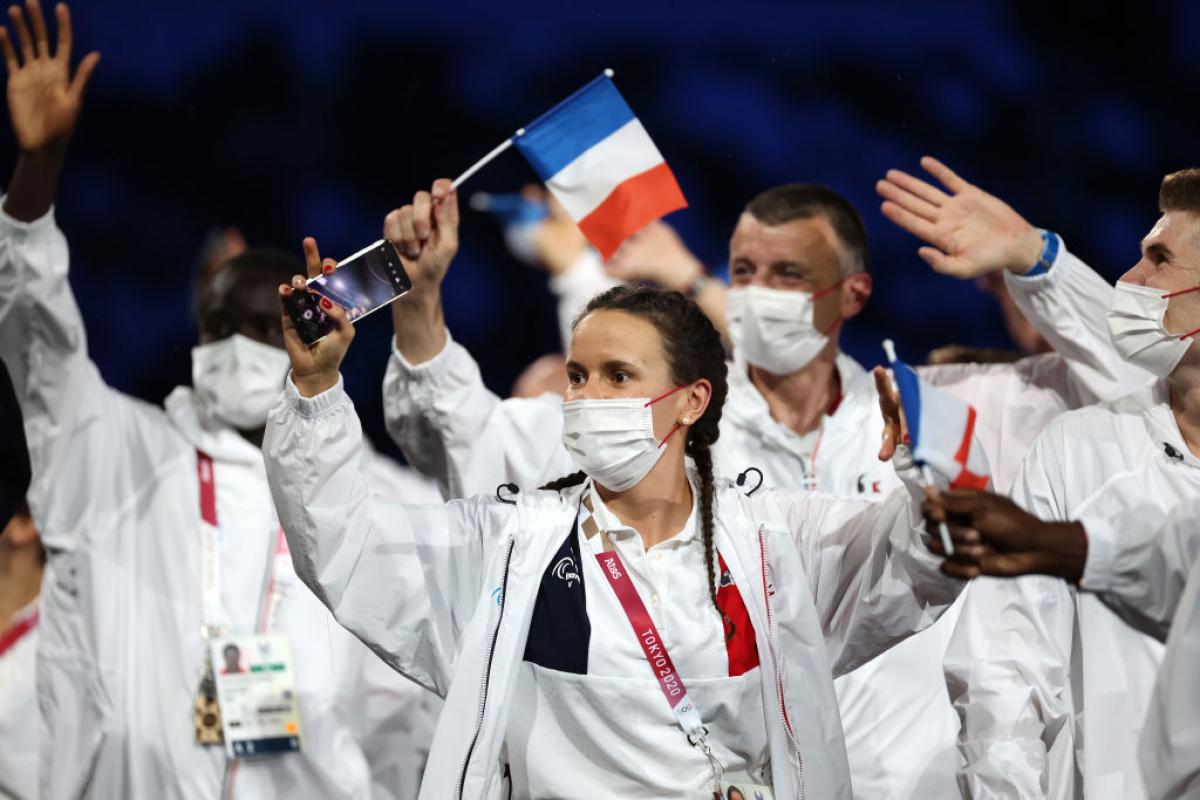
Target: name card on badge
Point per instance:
(256, 687)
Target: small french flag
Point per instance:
(597, 159)
(941, 429)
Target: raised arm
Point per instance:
(42, 340)
(404, 579)
(450, 426)
(970, 233)
(873, 581)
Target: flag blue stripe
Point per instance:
(910, 398)
(580, 122)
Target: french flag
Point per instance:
(941, 429)
(595, 157)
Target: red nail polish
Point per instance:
(325, 303)
(328, 268)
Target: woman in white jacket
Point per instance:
(708, 658)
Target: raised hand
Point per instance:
(43, 98)
(425, 234)
(895, 430)
(968, 231)
(993, 536)
(656, 253)
(558, 241)
(316, 368)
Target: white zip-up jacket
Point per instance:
(116, 496)
(1139, 563)
(1169, 752)
(1051, 684)
(452, 428)
(445, 593)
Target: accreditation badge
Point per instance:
(743, 790)
(256, 687)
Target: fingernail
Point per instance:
(287, 290)
(325, 303)
(328, 268)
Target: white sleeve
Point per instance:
(1138, 564)
(82, 457)
(578, 284)
(1068, 305)
(1169, 752)
(453, 429)
(873, 581)
(1008, 667)
(404, 579)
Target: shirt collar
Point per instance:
(612, 524)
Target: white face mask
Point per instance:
(613, 440)
(1135, 324)
(773, 328)
(237, 380)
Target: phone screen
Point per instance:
(366, 281)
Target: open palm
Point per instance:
(967, 232)
(44, 100)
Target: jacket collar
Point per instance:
(747, 408)
(1153, 403)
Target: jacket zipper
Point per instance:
(487, 672)
(787, 725)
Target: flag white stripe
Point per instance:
(583, 184)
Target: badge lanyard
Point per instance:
(206, 710)
(655, 650)
(210, 560)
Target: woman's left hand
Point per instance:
(315, 369)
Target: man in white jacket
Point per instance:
(1052, 685)
(21, 560)
(159, 523)
(814, 426)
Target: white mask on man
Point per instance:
(237, 379)
(1135, 325)
(773, 328)
(613, 440)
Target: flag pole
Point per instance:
(889, 348)
(483, 162)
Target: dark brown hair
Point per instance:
(694, 352)
(792, 201)
(1180, 191)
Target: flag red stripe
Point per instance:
(630, 207)
(964, 447)
(969, 480)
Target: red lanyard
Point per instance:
(210, 557)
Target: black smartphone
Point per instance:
(362, 283)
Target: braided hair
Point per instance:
(694, 352)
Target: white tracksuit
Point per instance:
(1169, 753)
(1053, 686)
(453, 428)
(446, 592)
(116, 496)
(18, 708)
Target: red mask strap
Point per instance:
(1189, 334)
(664, 396)
(670, 433)
(1181, 291)
(833, 288)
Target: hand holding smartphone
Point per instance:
(362, 283)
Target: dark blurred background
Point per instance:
(307, 117)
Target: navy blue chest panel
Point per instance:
(560, 630)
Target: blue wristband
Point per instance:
(1049, 254)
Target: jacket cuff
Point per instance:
(9, 223)
(312, 407)
(1031, 283)
(426, 370)
(1100, 568)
